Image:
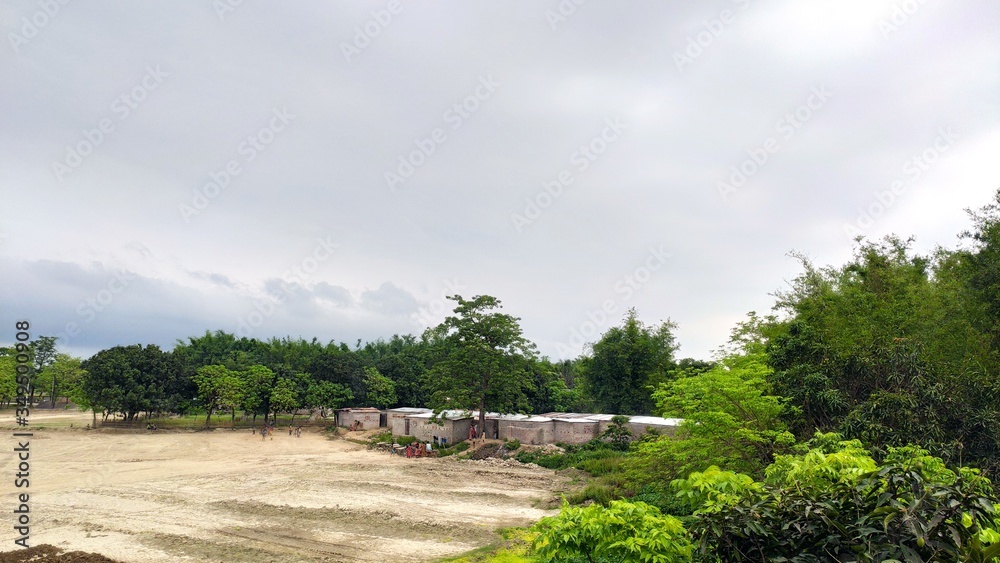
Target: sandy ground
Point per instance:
(228, 496)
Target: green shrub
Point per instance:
(381, 438)
(405, 440)
(511, 445)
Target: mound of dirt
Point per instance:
(47, 552)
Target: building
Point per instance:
(447, 428)
(535, 430)
(368, 417)
(396, 419)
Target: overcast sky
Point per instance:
(332, 170)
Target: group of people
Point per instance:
(268, 430)
(417, 449)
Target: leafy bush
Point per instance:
(457, 448)
(623, 531)
(381, 438)
(405, 440)
(894, 513)
(511, 445)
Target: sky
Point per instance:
(335, 170)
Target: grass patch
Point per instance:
(457, 448)
(514, 547)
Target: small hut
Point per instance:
(366, 417)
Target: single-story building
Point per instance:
(368, 417)
(575, 430)
(395, 419)
(449, 427)
(535, 430)
(639, 425)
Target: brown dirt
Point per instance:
(228, 496)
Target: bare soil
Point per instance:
(229, 496)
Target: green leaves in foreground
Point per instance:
(624, 531)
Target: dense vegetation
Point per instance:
(860, 422)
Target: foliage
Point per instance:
(218, 386)
(627, 362)
(133, 380)
(730, 420)
(484, 359)
(888, 514)
(622, 531)
(896, 348)
(380, 391)
(713, 489)
(618, 433)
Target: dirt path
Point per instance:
(228, 496)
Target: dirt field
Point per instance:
(228, 496)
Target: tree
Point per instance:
(218, 386)
(626, 365)
(258, 382)
(62, 376)
(8, 379)
(283, 398)
(380, 391)
(484, 359)
(132, 380)
(731, 418)
(325, 395)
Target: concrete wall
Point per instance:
(454, 431)
(368, 420)
(534, 433)
(576, 432)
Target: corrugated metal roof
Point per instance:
(410, 409)
(450, 415)
(656, 420)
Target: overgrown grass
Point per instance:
(457, 448)
(514, 547)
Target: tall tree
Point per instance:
(484, 359)
(380, 391)
(627, 363)
(218, 386)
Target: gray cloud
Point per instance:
(208, 156)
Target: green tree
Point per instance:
(483, 361)
(218, 387)
(8, 380)
(380, 391)
(626, 365)
(61, 376)
(283, 397)
(258, 382)
(325, 395)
